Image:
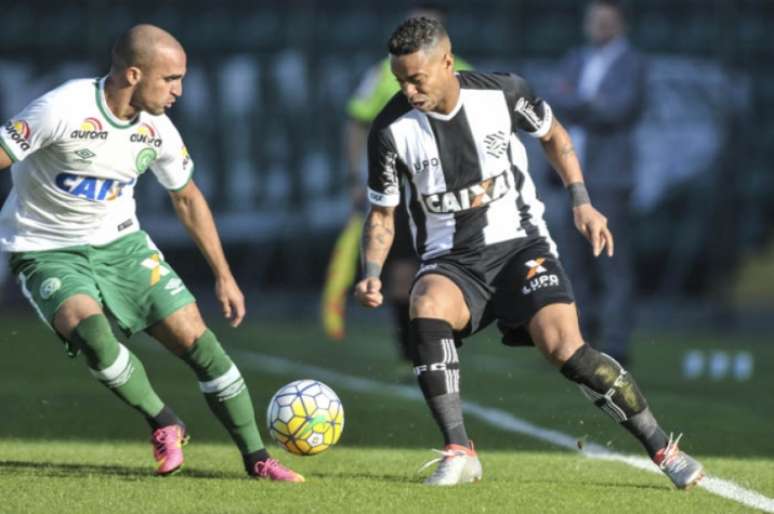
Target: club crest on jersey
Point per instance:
(145, 158)
(91, 188)
(471, 197)
(496, 144)
(538, 277)
(146, 134)
(19, 132)
(91, 128)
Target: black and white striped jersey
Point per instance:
(464, 174)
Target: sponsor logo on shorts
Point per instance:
(91, 188)
(146, 134)
(91, 128)
(49, 287)
(426, 267)
(471, 197)
(538, 277)
(174, 286)
(19, 132)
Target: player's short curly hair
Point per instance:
(416, 34)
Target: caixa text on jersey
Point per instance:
(470, 197)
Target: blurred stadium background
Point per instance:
(262, 115)
(264, 105)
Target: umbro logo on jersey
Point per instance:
(496, 144)
(471, 197)
(19, 132)
(91, 128)
(146, 134)
(85, 154)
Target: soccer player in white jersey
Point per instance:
(77, 249)
(486, 252)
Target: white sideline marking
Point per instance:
(497, 418)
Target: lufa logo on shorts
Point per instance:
(536, 279)
(49, 287)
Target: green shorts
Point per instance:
(128, 277)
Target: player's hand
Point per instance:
(593, 225)
(231, 299)
(368, 292)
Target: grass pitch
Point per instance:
(67, 445)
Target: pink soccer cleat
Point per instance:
(168, 444)
(273, 470)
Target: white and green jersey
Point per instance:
(76, 165)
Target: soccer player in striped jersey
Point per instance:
(486, 252)
(77, 249)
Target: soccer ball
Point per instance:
(305, 417)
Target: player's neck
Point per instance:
(118, 99)
(447, 105)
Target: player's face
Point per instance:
(162, 82)
(425, 77)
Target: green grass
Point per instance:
(66, 444)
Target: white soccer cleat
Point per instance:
(683, 470)
(456, 465)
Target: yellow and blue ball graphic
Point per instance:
(305, 417)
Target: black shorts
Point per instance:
(508, 282)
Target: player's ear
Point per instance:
(133, 75)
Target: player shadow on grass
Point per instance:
(69, 470)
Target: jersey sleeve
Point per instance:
(173, 167)
(34, 128)
(529, 113)
(383, 178)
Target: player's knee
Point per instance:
(425, 305)
(94, 337)
(557, 343)
(216, 373)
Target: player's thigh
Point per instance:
(437, 296)
(555, 331)
(138, 286)
(60, 285)
(179, 331)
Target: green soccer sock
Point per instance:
(115, 366)
(225, 391)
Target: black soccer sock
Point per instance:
(402, 320)
(438, 371)
(252, 458)
(611, 388)
(164, 418)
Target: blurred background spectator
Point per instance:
(599, 94)
(265, 100)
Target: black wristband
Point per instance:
(372, 269)
(578, 194)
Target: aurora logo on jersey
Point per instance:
(471, 197)
(19, 132)
(146, 134)
(91, 128)
(91, 188)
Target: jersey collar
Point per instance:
(111, 118)
(452, 114)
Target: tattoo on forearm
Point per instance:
(378, 234)
(578, 194)
(566, 151)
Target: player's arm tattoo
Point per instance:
(378, 234)
(566, 150)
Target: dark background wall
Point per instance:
(267, 84)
